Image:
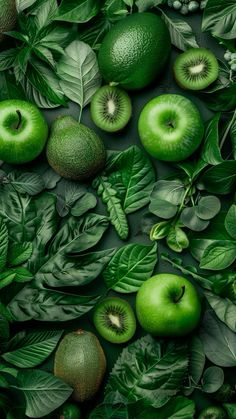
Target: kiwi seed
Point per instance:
(111, 108)
(196, 69)
(114, 319)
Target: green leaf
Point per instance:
(222, 99)
(110, 197)
(211, 153)
(8, 87)
(230, 221)
(233, 138)
(163, 209)
(130, 267)
(181, 34)
(107, 411)
(158, 231)
(144, 5)
(79, 73)
(230, 409)
(46, 13)
(19, 253)
(220, 179)
(7, 58)
(177, 240)
(47, 305)
(50, 178)
(24, 4)
(3, 244)
(168, 190)
(29, 183)
(150, 371)
(74, 270)
(33, 349)
(43, 392)
(74, 199)
(218, 255)
(224, 309)
(212, 379)
(33, 95)
(219, 341)
(190, 219)
(219, 17)
(45, 81)
(78, 11)
(84, 204)
(196, 364)
(4, 333)
(208, 207)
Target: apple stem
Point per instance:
(19, 121)
(178, 298)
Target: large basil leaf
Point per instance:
(79, 73)
(47, 305)
(71, 271)
(218, 340)
(111, 198)
(224, 309)
(182, 35)
(43, 392)
(148, 370)
(130, 267)
(3, 244)
(211, 151)
(220, 179)
(220, 18)
(37, 97)
(78, 11)
(219, 255)
(32, 349)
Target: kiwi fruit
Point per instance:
(114, 320)
(111, 108)
(196, 69)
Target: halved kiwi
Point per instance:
(111, 108)
(196, 69)
(114, 320)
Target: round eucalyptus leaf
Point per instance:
(212, 379)
(190, 219)
(162, 208)
(208, 207)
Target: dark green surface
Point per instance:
(121, 141)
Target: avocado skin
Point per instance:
(135, 51)
(81, 363)
(74, 150)
(8, 16)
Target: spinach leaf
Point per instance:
(220, 179)
(130, 267)
(148, 370)
(182, 35)
(224, 309)
(196, 364)
(111, 198)
(32, 349)
(43, 392)
(212, 379)
(78, 11)
(79, 73)
(210, 152)
(218, 255)
(219, 18)
(48, 305)
(74, 199)
(30, 183)
(218, 340)
(230, 221)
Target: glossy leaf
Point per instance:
(212, 379)
(19, 253)
(33, 349)
(196, 363)
(163, 209)
(208, 207)
(211, 153)
(218, 255)
(190, 219)
(230, 221)
(24, 4)
(36, 96)
(130, 267)
(168, 190)
(218, 340)
(107, 411)
(224, 308)
(4, 333)
(177, 240)
(220, 179)
(144, 5)
(219, 18)
(150, 371)
(30, 183)
(8, 87)
(230, 409)
(182, 35)
(79, 73)
(3, 244)
(78, 11)
(43, 392)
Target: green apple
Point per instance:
(23, 131)
(170, 127)
(168, 305)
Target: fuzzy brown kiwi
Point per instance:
(114, 320)
(196, 69)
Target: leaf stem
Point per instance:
(228, 129)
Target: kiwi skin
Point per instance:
(114, 320)
(111, 108)
(192, 58)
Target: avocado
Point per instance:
(81, 363)
(74, 150)
(8, 16)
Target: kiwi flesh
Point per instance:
(114, 320)
(196, 69)
(111, 108)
